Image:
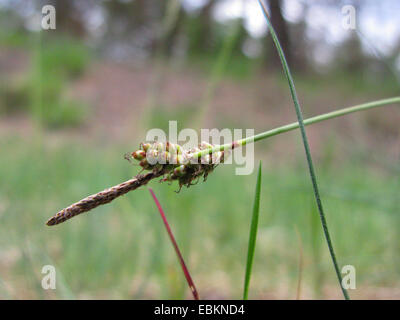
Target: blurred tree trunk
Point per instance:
(173, 34)
(206, 22)
(200, 30)
(69, 18)
(129, 15)
(282, 31)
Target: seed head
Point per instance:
(139, 154)
(171, 162)
(177, 163)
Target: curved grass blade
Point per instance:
(253, 235)
(306, 146)
(175, 245)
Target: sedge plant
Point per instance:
(110, 194)
(171, 162)
(185, 172)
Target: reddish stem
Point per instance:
(171, 236)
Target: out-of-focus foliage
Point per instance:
(53, 67)
(54, 62)
(114, 57)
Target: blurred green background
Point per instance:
(75, 99)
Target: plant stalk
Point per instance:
(112, 193)
(295, 125)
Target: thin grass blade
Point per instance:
(306, 146)
(175, 245)
(253, 235)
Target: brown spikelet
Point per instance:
(174, 162)
(102, 197)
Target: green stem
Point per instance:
(295, 125)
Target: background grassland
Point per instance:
(120, 250)
(70, 110)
